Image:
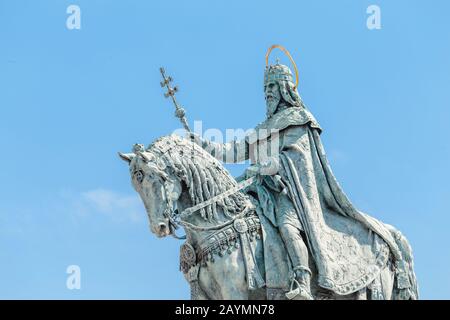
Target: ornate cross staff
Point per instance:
(179, 111)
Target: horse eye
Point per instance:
(139, 176)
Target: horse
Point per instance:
(181, 184)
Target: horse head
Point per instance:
(176, 173)
(152, 179)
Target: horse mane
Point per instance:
(204, 176)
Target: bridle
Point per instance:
(171, 213)
(175, 218)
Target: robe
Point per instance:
(349, 248)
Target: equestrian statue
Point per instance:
(285, 229)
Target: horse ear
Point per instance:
(126, 156)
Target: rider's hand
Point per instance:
(252, 171)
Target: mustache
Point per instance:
(271, 96)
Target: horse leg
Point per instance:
(225, 278)
(197, 293)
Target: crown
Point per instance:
(279, 71)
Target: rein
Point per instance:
(175, 218)
(172, 214)
(241, 185)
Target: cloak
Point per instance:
(349, 247)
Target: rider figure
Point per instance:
(277, 132)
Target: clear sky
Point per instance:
(70, 99)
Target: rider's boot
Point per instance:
(302, 280)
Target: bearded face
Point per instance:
(273, 97)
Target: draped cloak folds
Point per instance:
(349, 247)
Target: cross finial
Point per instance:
(179, 111)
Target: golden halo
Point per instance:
(289, 56)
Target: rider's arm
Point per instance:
(231, 152)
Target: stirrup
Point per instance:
(299, 293)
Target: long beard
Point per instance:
(271, 106)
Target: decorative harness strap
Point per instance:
(241, 185)
(240, 227)
(237, 233)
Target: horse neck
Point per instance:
(208, 172)
(195, 236)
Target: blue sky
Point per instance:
(71, 99)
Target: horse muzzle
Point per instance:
(162, 229)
